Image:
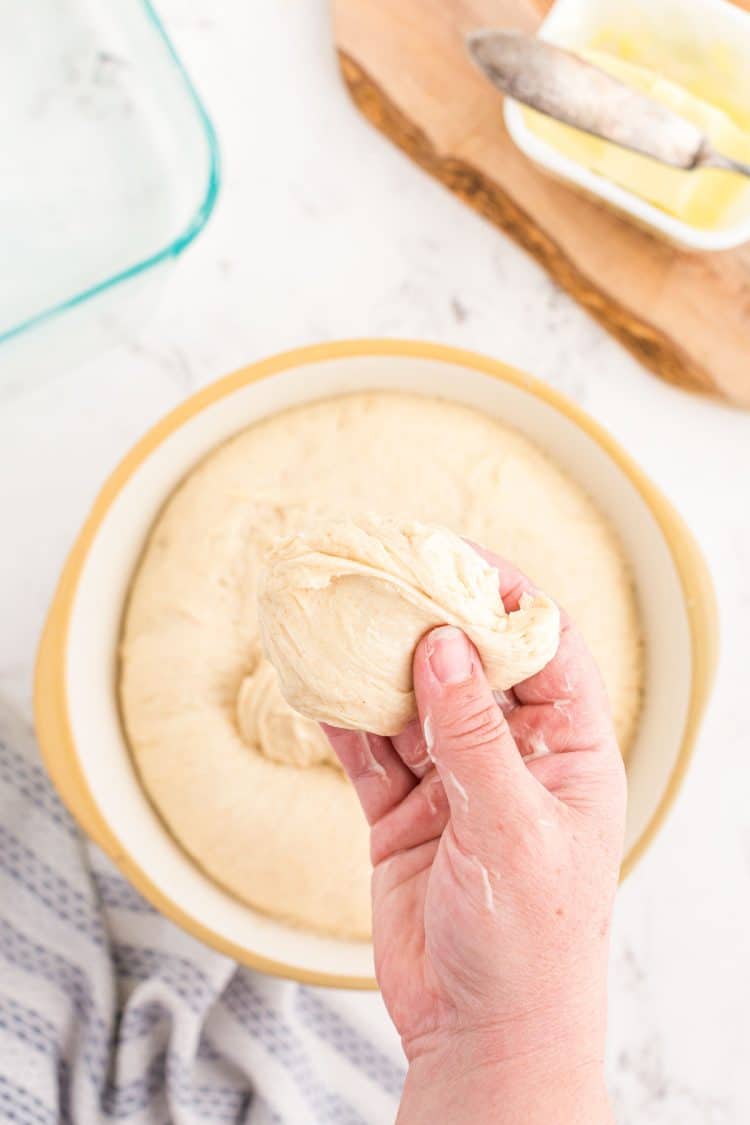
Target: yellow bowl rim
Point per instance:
(51, 710)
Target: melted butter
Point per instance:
(709, 198)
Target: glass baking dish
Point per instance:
(109, 162)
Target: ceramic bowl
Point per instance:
(76, 706)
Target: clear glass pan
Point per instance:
(109, 162)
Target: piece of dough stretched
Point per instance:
(343, 605)
(267, 722)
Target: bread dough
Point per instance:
(266, 721)
(343, 605)
(291, 839)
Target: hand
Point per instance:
(497, 831)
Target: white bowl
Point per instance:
(76, 708)
(711, 32)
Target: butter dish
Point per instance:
(701, 51)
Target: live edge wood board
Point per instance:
(684, 315)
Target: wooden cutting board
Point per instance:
(686, 316)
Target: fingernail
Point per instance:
(450, 655)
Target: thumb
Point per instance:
(465, 731)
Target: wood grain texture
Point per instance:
(685, 316)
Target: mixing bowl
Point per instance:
(76, 706)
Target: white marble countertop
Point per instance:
(322, 230)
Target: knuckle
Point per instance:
(474, 722)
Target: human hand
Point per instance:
(496, 840)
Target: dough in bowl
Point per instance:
(343, 605)
(245, 784)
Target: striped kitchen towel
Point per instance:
(108, 1012)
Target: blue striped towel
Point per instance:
(108, 1012)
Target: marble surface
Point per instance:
(322, 230)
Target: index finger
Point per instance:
(379, 776)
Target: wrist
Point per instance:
(474, 1078)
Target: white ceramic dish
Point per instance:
(76, 702)
(714, 34)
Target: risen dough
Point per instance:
(290, 839)
(267, 722)
(342, 606)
